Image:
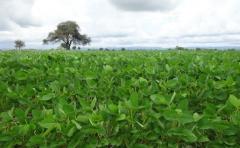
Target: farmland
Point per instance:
(120, 99)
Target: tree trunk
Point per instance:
(68, 46)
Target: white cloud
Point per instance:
(125, 22)
(16, 13)
(145, 5)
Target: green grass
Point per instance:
(125, 99)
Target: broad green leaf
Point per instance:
(184, 134)
(78, 126)
(134, 99)
(21, 75)
(71, 131)
(4, 138)
(143, 80)
(47, 97)
(50, 125)
(83, 118)
(113, 108)
(69, 109)
(159, 99)
(4, 116)
(178, 115)
(121, 117)
(23, 129)
(203, 139)
(235, 117)
(36, 140)
(234, 101)
(167, 67)
(108, 68)
(20, 114)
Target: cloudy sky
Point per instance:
(124, 23)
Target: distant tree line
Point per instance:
(69, 36)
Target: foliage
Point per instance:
(120, 99)
(180, 48)
(19, 44)
(74, 47)
(123, 49)
(67, 33)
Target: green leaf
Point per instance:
(20, 114)
(234, 101)
(83, 118)
(4, 138)
(71, 131)
(197, 117)
(134, 99)
(143, 80)
(78, 126)
(4, 116)
(50, 125)
(108, 68)
(172, 98)
(85, 104)
(47, 97)
(167, 67)
(159, 99)
(235, 117)
(183, 104)
(93, 103)
(23, 129)
(113, 108)
(203, 139)
(184, 134)
(21, 75)
(69, 109)
(122, 117)
(178, 115)
(37, 114)
(141, 146)
(36, 140)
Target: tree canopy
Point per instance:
(68, 33)
(19, 44)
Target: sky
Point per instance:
(124, 23)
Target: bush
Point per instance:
(123, 49)
(179, 48)
(74, 47)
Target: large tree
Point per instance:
(68, 33)
(19, 44)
